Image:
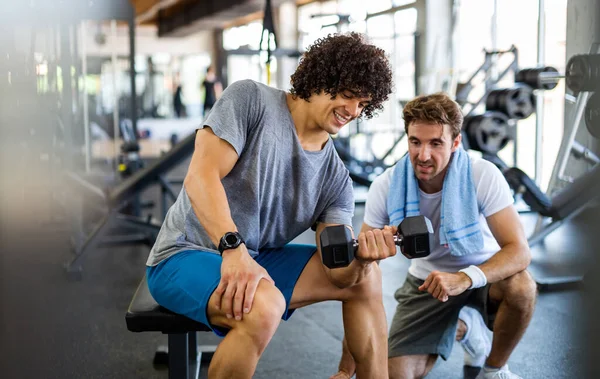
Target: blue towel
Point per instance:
(459, 214)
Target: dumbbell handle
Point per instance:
(398, 239)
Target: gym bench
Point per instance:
(182, 355)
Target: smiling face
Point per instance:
(430, 147)
(332, 114)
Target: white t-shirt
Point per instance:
(493, 195)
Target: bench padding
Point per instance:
(145, 315)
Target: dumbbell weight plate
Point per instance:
(519, 102)
(592, 115)
(488, 132)
(583, 72)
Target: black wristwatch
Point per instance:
(230, 240)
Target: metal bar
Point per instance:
(163, 202)
(454, 46)
(279, 52)
(545, 284)
(66, 93)
(579, 151)
(132, 74)
(494, 35)
(137, 222)
(392, 10)
(73, 178)
(192, 346)
(539, 236)
(167, 187)
(86, 116)
(539, 103)
(579, 110)
(488, 85)
(147, 176)
(418, 67)
(396, 142)
(74, 265)
(566, 144)
(178, 356)
(113, 46)
(550, 77)
(515, 143)
(126, 239)
(74, 51)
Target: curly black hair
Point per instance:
(341, 62)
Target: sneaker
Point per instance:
(503, 373)
(476, 341)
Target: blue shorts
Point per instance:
(184, 282)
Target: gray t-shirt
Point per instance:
(276, 190)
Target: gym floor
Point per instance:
(56, 328)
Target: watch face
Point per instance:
(231, 239)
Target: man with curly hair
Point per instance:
(264, 170)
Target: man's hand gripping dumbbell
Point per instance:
(414, 235)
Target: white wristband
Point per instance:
(477, 276)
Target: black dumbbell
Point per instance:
(414, 236)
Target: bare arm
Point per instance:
(374, 245)
(212, 160)
(514, 255)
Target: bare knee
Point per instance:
(519, 290)
(410, 366)
(369, 288)
(264, 317)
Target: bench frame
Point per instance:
(182, 355)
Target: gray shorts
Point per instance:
(424, 325)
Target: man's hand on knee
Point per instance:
(240, 275)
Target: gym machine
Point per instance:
(116, 199)
(567, 196)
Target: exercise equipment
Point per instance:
(560, 207)
(488, 133)
(517, 102)
(525, 188)
(568, 146)
(363, 172)
(540, 78)
(182, 355)
(569, 200)
(115, 200)
(490, 82)
(583, 72)
(592, 115)
(269, 27)
(414, 236)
